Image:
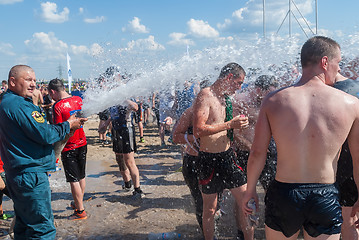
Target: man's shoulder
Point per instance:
(205, 94)
(280, 93)
(69, 100)
(13, 101)
(349, 86)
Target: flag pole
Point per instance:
(69, 73)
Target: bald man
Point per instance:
(27, 152)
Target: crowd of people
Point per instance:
(298, 138)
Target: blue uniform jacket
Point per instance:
(26, 138)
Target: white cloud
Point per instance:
(96, 49)
(250, 17)
(4, 2)
(179, 39)
(95, 20)
(144, 44)
(6, 48)
(81, 10)
(79, 50)
(50, 14)
(46, 46)
(135, 26)
(201, 29)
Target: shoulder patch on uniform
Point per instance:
(38, 117)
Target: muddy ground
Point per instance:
(113, 214)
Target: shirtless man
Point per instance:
(346, 185)
(249, 106)
(309, 122)
(4, 86)
(217, 165)
(37, 97)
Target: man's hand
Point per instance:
(239, 122)
(246, 198)
(168, 121)
(76, 123)
(355, 210)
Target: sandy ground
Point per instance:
(167, 206)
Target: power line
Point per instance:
(60, 70)
(290, 13)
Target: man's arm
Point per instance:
(153, 99)
(41, 99)
(48, 105)
(179, 132)
(201, 114)
(353, 141)
(132, 105)
(57, 115)
(257, 157)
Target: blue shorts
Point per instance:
(313, 206)
(31, 195)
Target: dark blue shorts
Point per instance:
(313, 206)
(219, 171)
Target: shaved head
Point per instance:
(22, 80)
(15, 70)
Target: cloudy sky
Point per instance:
(40, 33)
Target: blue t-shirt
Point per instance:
(25, 136)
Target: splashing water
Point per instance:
(148, 73)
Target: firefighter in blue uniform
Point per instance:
(27, 152)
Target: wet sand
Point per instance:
(167, 206)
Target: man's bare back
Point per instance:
(309, 122)
(309, 128)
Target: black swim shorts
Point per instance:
(348, 192)
(347, 189)
(124, 139)
(313, 206)
(219, 171)
(268, 172)
(74, 162)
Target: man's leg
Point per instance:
(190, 176)
(240, 216)
(31, 195)
(162, 133)
(129, 159)
(125, 173)
(78, 194)
(1, 210)
(209, 209)
(323, 237)
(276, 235)
(140, 128)
(349, 231)
(83, 185)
